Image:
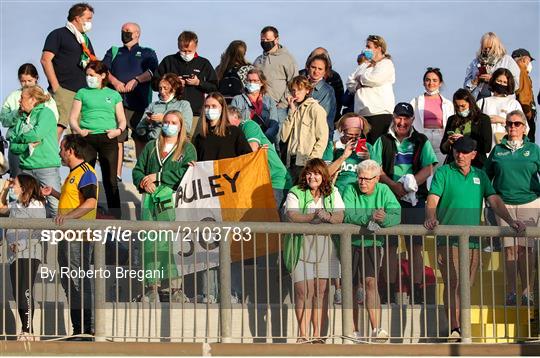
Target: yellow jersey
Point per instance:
(80, 184)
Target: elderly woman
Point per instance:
(432, 109)
(500, 103)
(491, 56)
(102, 120)
(257, 105)
(372, 81)
(372, 204)
(34, 139)
(513, 165)
(312, 260)
(468, 121)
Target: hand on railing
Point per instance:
(518, 226)
(431, 224)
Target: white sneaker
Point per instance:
(455, 336)
(235, 299)
(358, 338)
(150, 297)
(179, 297)
(379, 335)
(337, 296)
(206, 299)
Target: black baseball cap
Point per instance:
(404, 109)
(520, 52)
(465, 144)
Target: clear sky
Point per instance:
(419, 34)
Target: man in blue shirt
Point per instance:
(131, 69)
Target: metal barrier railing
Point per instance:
(223, 320)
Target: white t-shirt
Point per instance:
(498, 106)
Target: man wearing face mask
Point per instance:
(524, 93)
(279, 67)
(66, 53)
(195, 72)
(131, 69)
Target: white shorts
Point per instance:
(528, 213)
(318, 260)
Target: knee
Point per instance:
(370, 284)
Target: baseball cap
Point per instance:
(404, 109)
(465, 144)
(520, 52)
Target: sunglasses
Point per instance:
(514, 124)
(429, 69)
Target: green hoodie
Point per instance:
(292, 244)
(38, 127)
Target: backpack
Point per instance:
(231, 84)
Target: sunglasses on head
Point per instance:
(429, 69)
(514, 124)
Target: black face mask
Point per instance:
(498, 88)
(126, 37)
(267, 45)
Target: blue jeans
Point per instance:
(48, 177)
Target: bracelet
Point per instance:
(136, 79)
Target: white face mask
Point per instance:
(213, 114)
(529, 67)
(253, 87)
(187, 57)
(93, 82)
(432, 93)
(87, 26)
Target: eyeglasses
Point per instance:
(514, 124)
(429, 69)
(362, 179)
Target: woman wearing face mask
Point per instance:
(34, 139)
(304, 132)
(28, 76)
(372, 82)
(431, 110)
(468, 121)
(257, 105)
(102, 120)
(347, 153)
(491, 56)
(218, 139)
(232, 70)
(24, 247)
(170, 92)
(159, 170)
(500, 103)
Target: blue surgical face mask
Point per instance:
(12, 196)
(464, 113)
(368, 53)
(93, 82)
(213, 114)
(253, 87)
(170, 130)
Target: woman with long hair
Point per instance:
(158, 173)
(468, 120)
(312, 259)
(232, 70)
(24, 246)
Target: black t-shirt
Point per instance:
(67, 57)
(212, 147)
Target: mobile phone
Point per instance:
(185, 77)
(361, 146)
(450, 133)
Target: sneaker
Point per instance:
(527, 299)
(360, 295)
(511, 299)
(337, 296)
(235, 299)
(358, 338)
(455, 336)
(179, 297)
(379, 335)
(206, 299)
(26, 337)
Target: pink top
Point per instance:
(433, 116)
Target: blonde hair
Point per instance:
(379, 42)
(181, 138)
(36, 93)
(221, 127)
(300, 82)
(497, 50)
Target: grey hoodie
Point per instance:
(279, 67)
